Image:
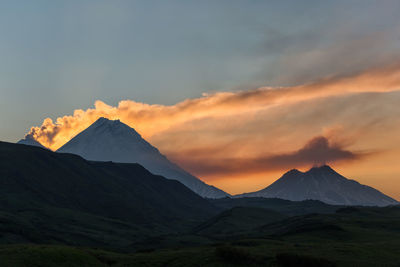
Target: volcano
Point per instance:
(112, 140)
(324, 184)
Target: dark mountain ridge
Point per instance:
(32, 177)
(112, 140)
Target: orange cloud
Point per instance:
(317, 151)
(153, 119)
(258, 132)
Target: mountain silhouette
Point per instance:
(65, 196)
(324, 184)
(28, 140)
(112, 140)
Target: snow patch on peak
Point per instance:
(323, 184)
(112, 140)
(114, 126)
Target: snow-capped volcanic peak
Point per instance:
(28, 140)
(324, 184)
(112, 140)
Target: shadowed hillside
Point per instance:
(283, 206)
(54, 197)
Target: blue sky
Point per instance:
(57, 56)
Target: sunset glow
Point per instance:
(243, 141)
(200, 133)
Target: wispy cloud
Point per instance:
(150, 120)
(317, 151)
(338, 120)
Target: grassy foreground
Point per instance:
(255, 252)
(349, 237)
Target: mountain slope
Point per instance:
(107, 140)
(30, 142)
(34, 179)
(283, 206)
(324, 184)
(237, 220)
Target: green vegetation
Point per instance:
(60, 210)
(350, 237)
(286, 207)
(54, 198)
(237, 221)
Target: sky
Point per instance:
(236, 92)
